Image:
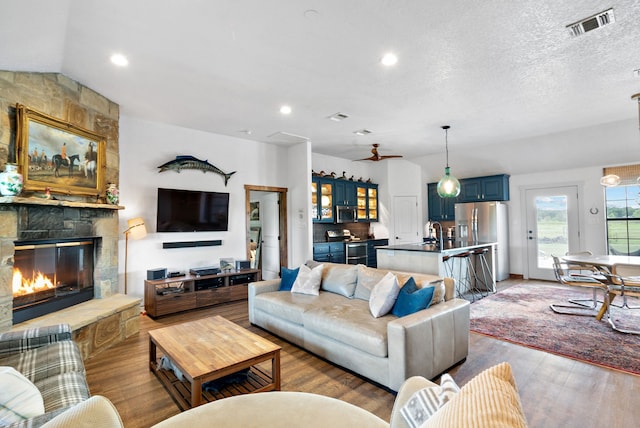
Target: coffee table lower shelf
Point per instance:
(257, 381)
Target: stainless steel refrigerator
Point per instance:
(486, 222)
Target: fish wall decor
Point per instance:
(190, 162)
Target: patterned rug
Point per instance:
(521, 314)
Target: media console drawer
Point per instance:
(171, 295)
(175, 303)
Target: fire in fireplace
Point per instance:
(50, 275)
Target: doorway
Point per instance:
(266, 225)
(552, 227)
(405, 223)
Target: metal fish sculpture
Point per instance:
(190, 162)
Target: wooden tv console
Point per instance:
(182, 293)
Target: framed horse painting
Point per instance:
(58, 155)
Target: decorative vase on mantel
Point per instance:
(10, 180)
(113, 194)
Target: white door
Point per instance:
(405, 220)
(552, 227)
(270, 217)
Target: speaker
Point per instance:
(243, 264)
(159, 273)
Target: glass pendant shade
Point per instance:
(448, 186)
(610, 180)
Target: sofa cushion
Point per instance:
(20, 399)
(424, 280)
(351, 323)
(308, 280)
(488, 400)
(340, 279)
(288, 277)
(367, 279)
(50, 360)
(63, 390)
(291, 306)
(384, 295)
(426, 401)
(412, 299)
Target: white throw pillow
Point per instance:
(427, 401)
(308, 280)
(384, 295)
(20, 399)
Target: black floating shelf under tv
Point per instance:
(187, 244)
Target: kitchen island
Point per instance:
(439, 260)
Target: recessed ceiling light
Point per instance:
(285, 110)
(389, 59)
(119, 60)
(337, 117)
(362, 132)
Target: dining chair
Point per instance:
(624, 281)
(585, 307)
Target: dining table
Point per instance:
(606, 264)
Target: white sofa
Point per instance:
(338, 326)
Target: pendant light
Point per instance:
(448, 186)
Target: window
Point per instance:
(623, 211)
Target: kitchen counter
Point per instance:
(430, 258)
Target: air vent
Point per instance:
(362, 132)
(337, 117)
(591, 23)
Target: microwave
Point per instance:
(346, 214)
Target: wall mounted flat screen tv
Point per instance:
(192, 211)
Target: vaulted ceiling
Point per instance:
(495, 71)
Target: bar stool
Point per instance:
(466, 272)
(487, 278)
(448, 265)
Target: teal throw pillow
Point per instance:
(412, 299)
(287, 278)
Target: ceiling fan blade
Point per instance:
(389, 157)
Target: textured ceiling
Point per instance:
(495, 71)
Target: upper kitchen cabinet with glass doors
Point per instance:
(322, 200)
(367, 201)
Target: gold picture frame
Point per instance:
(59, 155)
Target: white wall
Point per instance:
(144, 146)
(299, 208)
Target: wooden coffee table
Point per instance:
(209, 349)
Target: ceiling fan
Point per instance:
(376, 157)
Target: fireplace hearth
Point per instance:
(52, 274)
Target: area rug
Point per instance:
(521, 315)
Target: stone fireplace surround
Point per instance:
(102, 321)
(22, 221)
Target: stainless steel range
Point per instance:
(355, 250)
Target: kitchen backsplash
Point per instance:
(361, 230)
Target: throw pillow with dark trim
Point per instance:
(412, 299)
(287, 278)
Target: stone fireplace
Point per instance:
(31, 217)
(79, 238)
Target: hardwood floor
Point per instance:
(555, 391)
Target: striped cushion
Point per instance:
(488, 400)
(425, 402)
(41, 363)
(23, 340)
